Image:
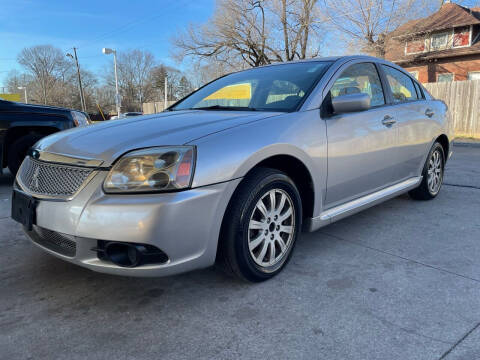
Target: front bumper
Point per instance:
(185, 225)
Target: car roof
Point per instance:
(342, 59)
(33, 107)
(331, 59)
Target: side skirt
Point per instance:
(341, 211)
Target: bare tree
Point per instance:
(134, 77)
(177, 82)
(367, 23)
(297, 20)
(66, 90)
(184, 87)
(14, 80)
(104, 96)
(206, 70)
(47, 65)
(257, 32)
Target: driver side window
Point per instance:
(360, 78)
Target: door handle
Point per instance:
(388, 120)
(429, 112)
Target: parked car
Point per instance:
(131, 113)
(126, 115)
(235, 180)
(22, 125)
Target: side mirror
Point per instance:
(351, 103)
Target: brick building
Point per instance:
(442, 47)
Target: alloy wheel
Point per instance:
(435, 172)
(271, 228)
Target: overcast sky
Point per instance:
(91, 25)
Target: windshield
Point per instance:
(271, 88)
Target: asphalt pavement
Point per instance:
(398, 281)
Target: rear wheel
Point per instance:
(432, 175)
(261, 226)
(18, 150)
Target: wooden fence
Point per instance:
(463, 100)
(155, 107)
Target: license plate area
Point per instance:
(24, 209)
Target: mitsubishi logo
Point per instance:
(34, 154)
(34, 181)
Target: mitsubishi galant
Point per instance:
(234, 172)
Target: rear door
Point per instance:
(360, 144)
(412, 115)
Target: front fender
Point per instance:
(232, 153)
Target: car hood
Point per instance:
(108, 140)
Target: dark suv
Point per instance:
(22, 125)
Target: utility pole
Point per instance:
(166, 90)
(82, 98)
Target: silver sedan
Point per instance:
(234, 172)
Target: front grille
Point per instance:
(54, 241)
(50, 179)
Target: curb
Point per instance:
(475, 144)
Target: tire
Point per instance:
(432, 175)
(255, 242)
(18, 150)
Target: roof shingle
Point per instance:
(450, 15)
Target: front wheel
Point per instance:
(261, 225)
(432, 175)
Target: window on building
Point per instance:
(440, 40)
(446, 77)
(414, 74)
(474, 75)
(415, 46)
(461, 36)
(360, 78)
(401, 85)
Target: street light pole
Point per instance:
(108, 51)
(82, 98)
(165, 91)
(117, 94)
(24, 88)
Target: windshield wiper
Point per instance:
(221, 107)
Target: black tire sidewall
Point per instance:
(436, 146)
(422, 192)
(249, 268)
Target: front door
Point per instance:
(360, 144)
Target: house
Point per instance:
(442, 47)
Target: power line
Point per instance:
(126, 27)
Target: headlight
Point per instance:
(153, 169)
